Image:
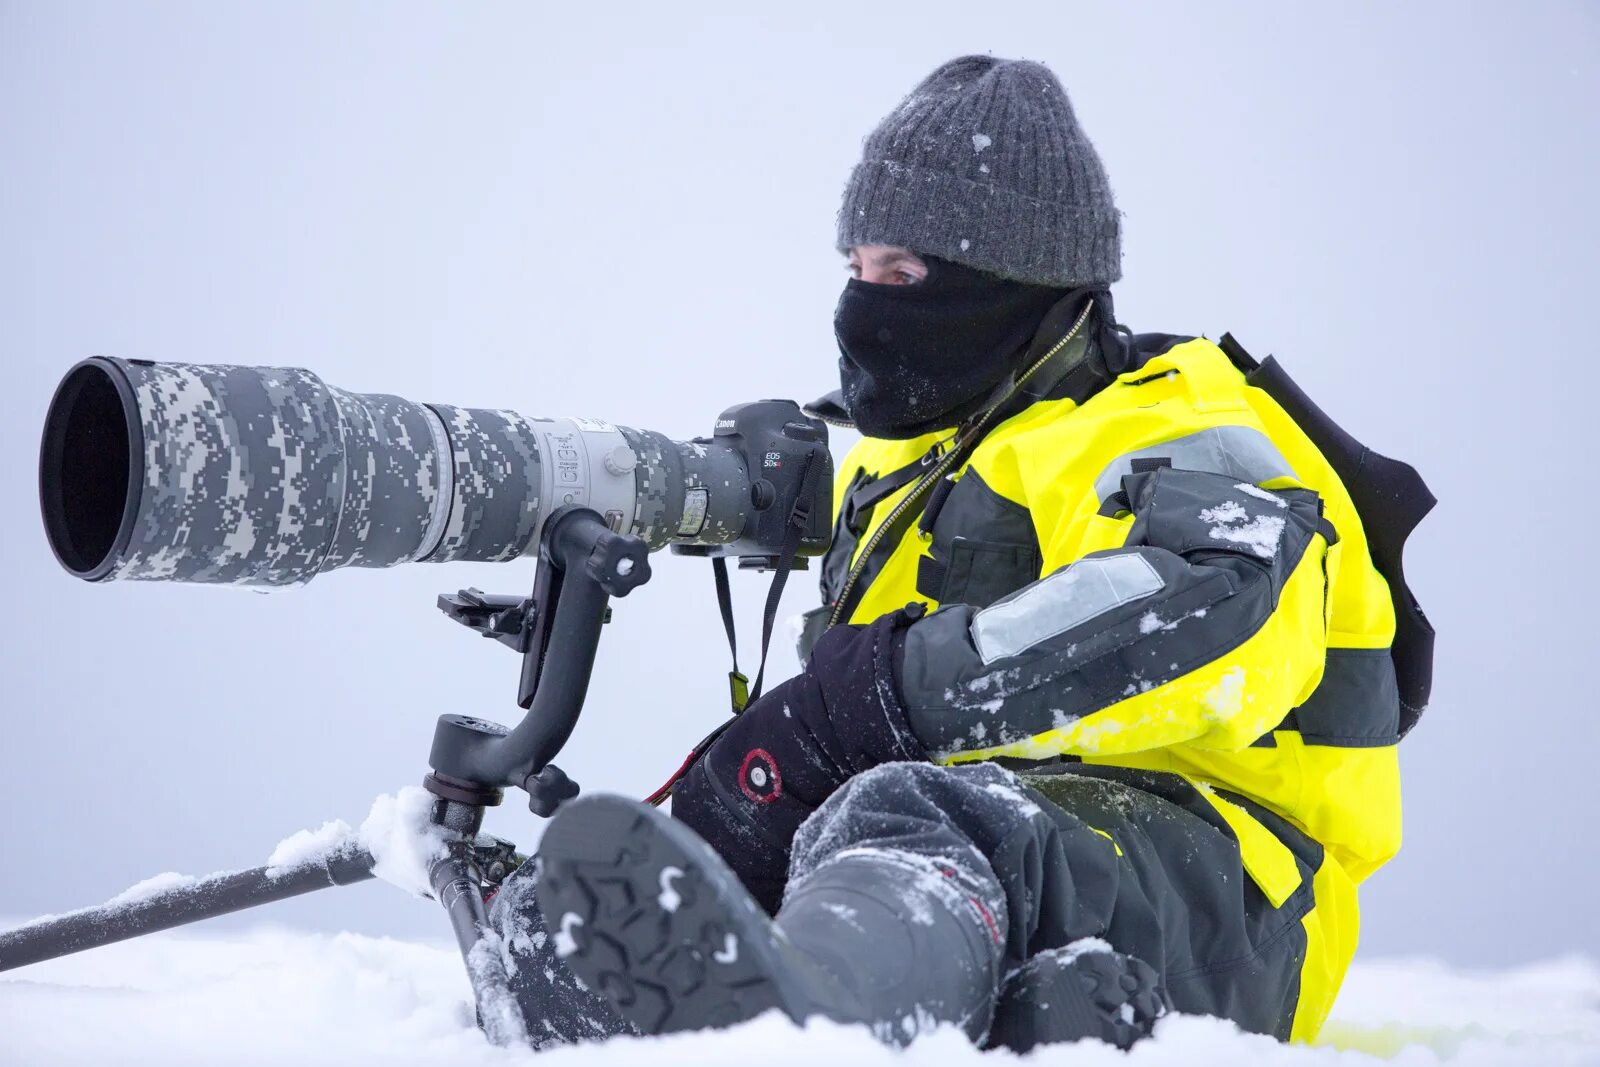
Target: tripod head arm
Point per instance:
(582, 564)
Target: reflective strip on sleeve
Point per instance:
(1068, 598)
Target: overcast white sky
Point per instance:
(627, 210)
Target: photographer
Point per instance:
(1099, 716)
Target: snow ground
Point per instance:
(282, 996)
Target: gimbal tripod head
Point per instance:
(582, 563)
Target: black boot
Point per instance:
(645, 912)
(1083, 990)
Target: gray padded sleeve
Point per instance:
(1202, 569)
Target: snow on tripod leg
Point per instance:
(403, 841)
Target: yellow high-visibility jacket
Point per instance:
(1164, 573)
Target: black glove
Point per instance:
(786, 754)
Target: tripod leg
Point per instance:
(556, 1007)
(218, 894)
(457, 887)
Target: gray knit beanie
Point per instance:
(984, 164)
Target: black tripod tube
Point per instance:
(218, 894)
(457, 886)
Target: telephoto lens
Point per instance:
(269, 476)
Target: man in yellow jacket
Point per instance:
(1100, 711)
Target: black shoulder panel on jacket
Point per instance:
(1392, 499)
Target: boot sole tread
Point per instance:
(646, 914)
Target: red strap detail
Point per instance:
(664, 791)
(988, 919)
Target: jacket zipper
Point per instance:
(940, 468)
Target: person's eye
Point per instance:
(905, 277)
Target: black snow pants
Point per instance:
(1137, 859)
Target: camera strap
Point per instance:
(741, 692)
(738, 683)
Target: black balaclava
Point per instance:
(919, 358)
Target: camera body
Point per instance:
(774, 441)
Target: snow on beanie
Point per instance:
(984, 164)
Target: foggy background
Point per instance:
(627, 211)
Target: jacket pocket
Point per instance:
(983, 546)
(981, 572)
